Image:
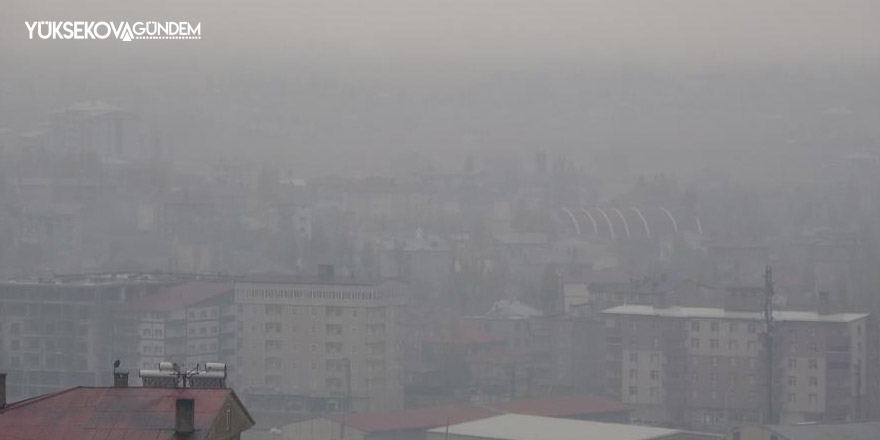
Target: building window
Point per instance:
(791, 398)
(713, 344)
(814, 381)
(695, 343)
(695, 326)
(633, 357)
(714, 326)
(655, 375)
(813, 399)
(813, 347)
(751, 346)
(655, 392)
(813, 364)
(753, 328)
(633, 373)
(792, 363)
(633, 391)
(792, 381)
(733, 327)
(655, 358)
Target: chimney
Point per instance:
(325, 271)
(824, 306)
(184, 416)
(120, 379)
(2, 390)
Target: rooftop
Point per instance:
(422, 418)
(717, 313)
(182, 295)
(309, 279)
(426, 418)
(512, 308)
(838, 431)
(563, 406)
(523, 427)
(112, 413)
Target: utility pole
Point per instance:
(859, 390)
(347, 385)
(768, 340)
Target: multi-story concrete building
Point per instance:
(707, 367)
(67, 331)
(188, 324)
(545, 354)
(319, 344)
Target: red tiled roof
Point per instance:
(425, 418)
(182, 295)
(565, 406)
(109, 413)
(428, 418)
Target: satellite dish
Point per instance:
(117, 363)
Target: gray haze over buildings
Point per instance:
(433, 212)
(431, 81)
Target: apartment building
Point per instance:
(188, 324)
(540, 356)
(67, 330)
(706, 367)
(319, 344)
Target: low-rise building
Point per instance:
(81, 413)
(411, 424)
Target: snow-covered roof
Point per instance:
(718, 313)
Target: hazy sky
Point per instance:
(668, 32)
(343, 78)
